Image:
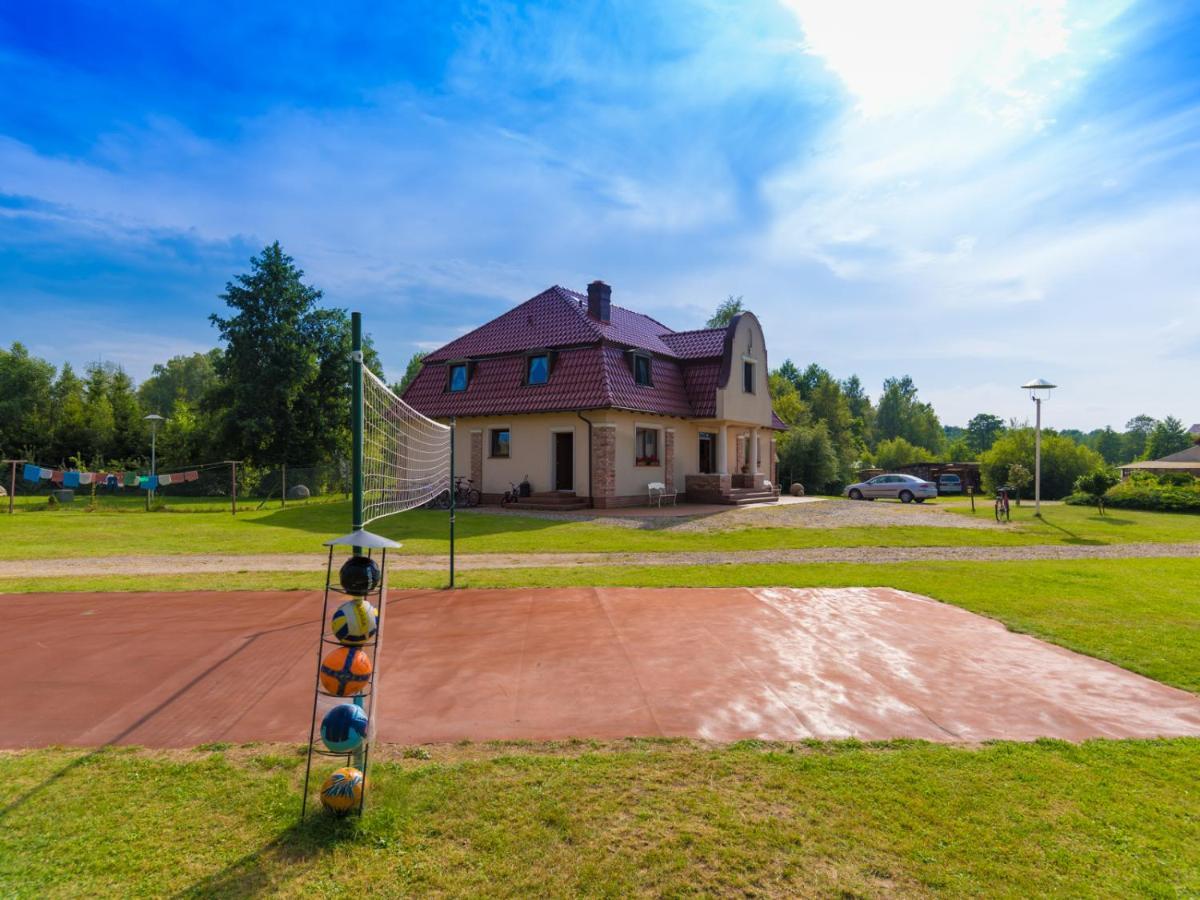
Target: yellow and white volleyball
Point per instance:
(355, 622)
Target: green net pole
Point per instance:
(356, 403)
(453, 491)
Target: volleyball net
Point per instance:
(405, 455)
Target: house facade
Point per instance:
(593, 402)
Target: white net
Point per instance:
(406, 456)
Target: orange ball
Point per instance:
(345, 672)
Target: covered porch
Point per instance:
(736, 465)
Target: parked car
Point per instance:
(949, 484)
(905, 488)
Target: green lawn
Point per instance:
(301, 529)
(624, 819)
(1142, 614)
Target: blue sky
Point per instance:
(973, 193)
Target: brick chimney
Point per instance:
(600, 301)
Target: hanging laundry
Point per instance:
(47, 474)
(164, 479)
(146, 482)
(70, 479)
(31, 472)
(86, 477)
(191, 476)
(56, 477)
(111, 481)
(131, 479)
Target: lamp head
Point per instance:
(1039, 388)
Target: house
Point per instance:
(1187, 461)
(594, 402)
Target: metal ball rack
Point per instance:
(361, 542)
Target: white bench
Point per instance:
(656, 491)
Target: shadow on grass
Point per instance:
(1071, 536)
(268, 868)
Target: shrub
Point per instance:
(1144, 491)
(1094, 485)
(891, 455)
(1063, 461)
(807, 455)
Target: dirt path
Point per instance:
(714, 664)
(296, 562)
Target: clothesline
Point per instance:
(73, 478)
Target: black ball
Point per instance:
(360, 575)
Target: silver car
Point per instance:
(905, 488)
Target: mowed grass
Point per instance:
(633, 818)
(70, 532)
(1141, 614)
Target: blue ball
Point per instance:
(344, 728)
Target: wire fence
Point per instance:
(219, 487)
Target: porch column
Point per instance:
(723, 451)
(752, 451)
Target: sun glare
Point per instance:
(893, 57)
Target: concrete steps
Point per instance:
(551, 501)
(746, 496)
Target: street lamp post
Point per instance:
(153, 419)
(1038, 391)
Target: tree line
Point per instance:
(277, 390)
(834, 431)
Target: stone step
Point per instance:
(551, 498)
(744, 496)
(536, 506)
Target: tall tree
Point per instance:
(25, 389)
(901, 414)
(1137, 432)
(1167, 437)
(1109, 445)
(726, 310)
(68, 425)
(128, 426)
(186, 378)
(410, 373)
(983, 430)
(97, 413)
(284, 392)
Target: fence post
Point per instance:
(12, 485)
(233, 484)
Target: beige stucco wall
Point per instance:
(733, 403)
(532, 450)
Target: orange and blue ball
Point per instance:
(344, 728)
(345, 672)
(342, 790)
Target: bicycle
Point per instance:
(512, 495)
(466, 496)
(1002, 505)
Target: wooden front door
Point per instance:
(564, 461)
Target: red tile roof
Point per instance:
(592, 367)
(556, 317)
(704, 342)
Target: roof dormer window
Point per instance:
(457, 379)
(642, 370)
(538, 371)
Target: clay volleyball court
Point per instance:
(179, 669)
